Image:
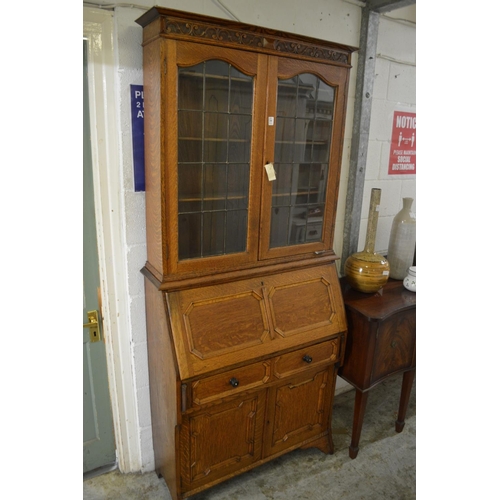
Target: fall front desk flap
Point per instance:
(222, 325)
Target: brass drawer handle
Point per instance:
(307, 359)
(234, 382)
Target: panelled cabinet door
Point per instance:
(221, 439)
(395, 347)
(292, 423)
(304, 146)
(215, 186)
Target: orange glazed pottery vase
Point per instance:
(368, 271)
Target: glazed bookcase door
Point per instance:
(304, 146)
(214, 189)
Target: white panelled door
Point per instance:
(98, 437)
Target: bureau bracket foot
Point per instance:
(324, 444)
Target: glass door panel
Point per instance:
(304, 117)
(215, 106)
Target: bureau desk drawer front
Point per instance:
(395, 347)
(306, 358)
(231, 382)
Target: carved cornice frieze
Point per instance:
(213, 33)
(268, 40)
(310, 51)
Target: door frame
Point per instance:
(98, 28)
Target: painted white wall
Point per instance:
(336, 20)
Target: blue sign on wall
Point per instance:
(137, 100)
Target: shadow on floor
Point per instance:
(384, 469)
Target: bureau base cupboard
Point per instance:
(242, 372)
(245, 317)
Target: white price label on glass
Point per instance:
(271, 173)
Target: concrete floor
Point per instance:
(385, 467)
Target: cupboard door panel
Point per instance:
(221, 440)
(395, 345)
(299, 410)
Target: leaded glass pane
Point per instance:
(214, 142)
(304, 121)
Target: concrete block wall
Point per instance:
(394, 90)
(336, 20)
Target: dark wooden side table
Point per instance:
(380, 342)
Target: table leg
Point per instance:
(408, 378)
(359, 413)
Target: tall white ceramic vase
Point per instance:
(402, 241)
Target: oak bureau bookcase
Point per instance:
(246, 324)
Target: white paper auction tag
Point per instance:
(271, 173)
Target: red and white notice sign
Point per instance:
(403, 157)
